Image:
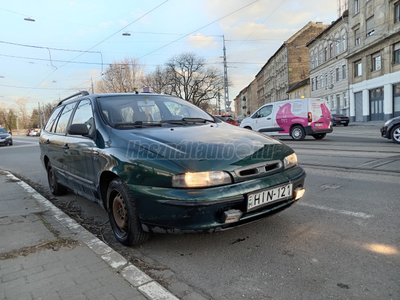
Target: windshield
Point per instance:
(140, 110)
(2, 130)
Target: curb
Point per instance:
(134, 276)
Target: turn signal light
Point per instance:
(309, 116)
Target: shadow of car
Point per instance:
(339, 119)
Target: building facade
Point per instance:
(300, 89)
(328, 66)
(246, 101)
(289, 65)
(374, 59)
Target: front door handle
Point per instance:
(47, 142)
(65, 147)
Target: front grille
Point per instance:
(260, 168)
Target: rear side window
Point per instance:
(64, 118)
(52, 118)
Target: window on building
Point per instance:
(337, 47)
(396, 53)
(312, 84)
(331, 77)
(376, 62)
(316, 60)
(316, 83)
(320, 57)
(305, 92)
(356, 6)
(326, 80)
(321, 79)
(312, 62)
(344, 72)
(326, 54)
(357, 69)
(397, 12)
(344, 43)
(370, 26)
(337, 74)
(331, 50)
(345, 100)
(357, 39)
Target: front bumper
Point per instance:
(165, 210)
(385, 133)
(5, 141)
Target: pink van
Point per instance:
(296, 117)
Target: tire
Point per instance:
(10, 143)
(396, 134)
(55, 188)
(319, 136)
(297, 133)
(123, 215)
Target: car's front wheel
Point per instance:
(10, 143)
(319, 136)
(396, 134)
(55, 188)
(123, 215)
(297, 133)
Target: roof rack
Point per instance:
(81, 93)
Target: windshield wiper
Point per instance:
(136, 124)
(202, 120)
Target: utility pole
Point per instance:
(92, 85)
(226, 98)
(40, 116)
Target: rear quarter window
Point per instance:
(53, 118)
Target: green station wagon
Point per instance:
(159, 164)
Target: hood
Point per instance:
(4, 135)
(204, 147)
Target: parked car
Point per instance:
(338, 119)
(5, 137)
(391, 129)
(33, 132)
(296, 117)
(158, 163)
(228, 119)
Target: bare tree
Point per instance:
(121, 77)
(157, 81)
(189, 79)
(8, 118)
(23, 112)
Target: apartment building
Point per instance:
(300, 89)
(289, 65)
(246, 101)
(374, 59)
(328, 66)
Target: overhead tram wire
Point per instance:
(258, 27)
(142, 16)
(186, 35)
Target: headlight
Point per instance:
(201, 179)
(290, 161)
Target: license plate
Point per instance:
(318, 124)
(261, 198)
(343, 121)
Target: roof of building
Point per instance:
(299, 84)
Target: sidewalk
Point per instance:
(44, 254)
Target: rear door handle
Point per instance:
(47, 142)
(65, 147)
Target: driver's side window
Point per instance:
(264, 112)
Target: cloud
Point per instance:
(202, 41)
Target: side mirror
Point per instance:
(78, 129)
(10, 132)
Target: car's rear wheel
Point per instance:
(123, 214)
(319, 136)
(55, 188)
(297, 133)
(396, 134)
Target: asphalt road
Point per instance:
(340, 241)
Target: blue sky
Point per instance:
(72, 41)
